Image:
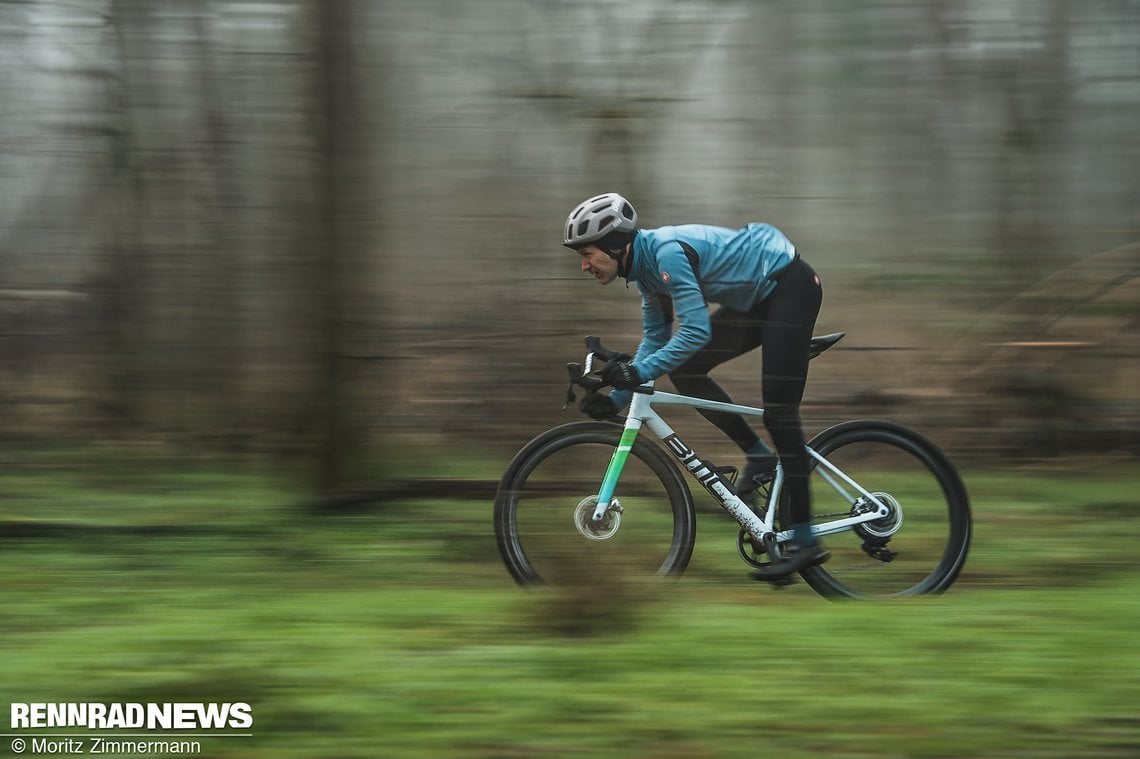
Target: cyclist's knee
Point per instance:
(783, 423)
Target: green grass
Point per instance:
(396, 633)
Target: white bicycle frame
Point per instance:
(642, 412)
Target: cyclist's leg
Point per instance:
(791, 313)
(734, 333)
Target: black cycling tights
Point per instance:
(782, 324)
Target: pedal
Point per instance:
(778, 582)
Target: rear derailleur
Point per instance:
(877, 549)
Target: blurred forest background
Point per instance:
(328, 228)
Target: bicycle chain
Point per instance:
(760, 511)
(829, 516)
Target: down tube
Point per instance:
(617, 463)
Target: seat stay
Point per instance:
(881, 509)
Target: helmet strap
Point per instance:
(622, 259)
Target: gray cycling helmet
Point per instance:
(593, 219)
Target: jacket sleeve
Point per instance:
(664, 353)
(657, 326)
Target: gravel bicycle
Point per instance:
(888, 503)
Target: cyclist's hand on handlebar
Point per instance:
(598, 406)
(620, 374)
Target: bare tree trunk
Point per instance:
(1035, 94)
(221, 321)
(120, 290)
(342, 182)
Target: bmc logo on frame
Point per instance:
(98, 716)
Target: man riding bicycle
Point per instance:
(768, 297)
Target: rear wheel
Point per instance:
(921, 544)
(546, 499)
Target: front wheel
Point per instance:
(920, 546)
(546, 499)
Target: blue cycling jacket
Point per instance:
(734, 268)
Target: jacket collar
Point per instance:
(636, 268)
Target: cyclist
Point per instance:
(768, 296)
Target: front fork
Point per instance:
(613, 471)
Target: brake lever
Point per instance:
(575, 372)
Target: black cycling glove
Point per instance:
(620, 374)
(598, 406)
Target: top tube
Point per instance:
(660, 398)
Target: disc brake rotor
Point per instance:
(603, 530)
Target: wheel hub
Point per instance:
(883, 527)
(602, 530)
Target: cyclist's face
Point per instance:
(598, 264)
